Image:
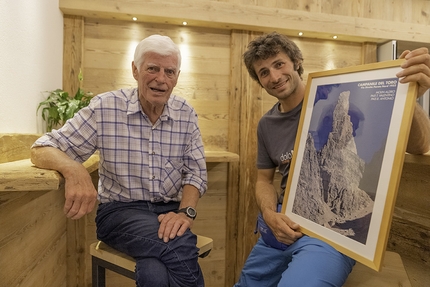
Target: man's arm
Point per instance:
(419, 136)
(80, 193)
(265, 193)
(416, 68)
(282, 227)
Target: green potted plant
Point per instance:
(59, 106)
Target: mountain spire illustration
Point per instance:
(328, 191)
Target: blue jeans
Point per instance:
(307, 262)
(132, 228)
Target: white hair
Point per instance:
(161, 45)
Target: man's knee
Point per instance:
(151, 272)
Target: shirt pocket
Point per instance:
(172, 178)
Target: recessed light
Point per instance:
(300, 33)
(134, 18)
(184, 23)
(334, 37)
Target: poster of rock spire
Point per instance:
(348, 157)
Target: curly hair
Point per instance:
(269, 45)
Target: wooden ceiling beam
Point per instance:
(224, 15)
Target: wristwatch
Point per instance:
(189, 211)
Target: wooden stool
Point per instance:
(392, 273)
(105, 257)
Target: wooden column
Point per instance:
(244, 114)
(73, 51)
(73, 46)
(369, 53)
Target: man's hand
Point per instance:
(80, 193)
(416, 68)
(284, 229)
(173, 224)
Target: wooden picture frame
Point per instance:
(348, 157)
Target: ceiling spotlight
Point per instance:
(184, 23)
(300, 33)
(134, 18)
(334, 37)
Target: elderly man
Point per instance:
(152, 168)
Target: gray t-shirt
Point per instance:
(276, 135)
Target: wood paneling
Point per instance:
(72, 52)
(246, 109)
(369, 53)
(211, 222)
(32, 239)
(109, 49)
(13, 147)
(360, 21)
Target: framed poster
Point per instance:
(348, 157)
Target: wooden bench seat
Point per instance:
(105, 257)
(393, 273)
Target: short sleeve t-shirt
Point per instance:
(276, 135)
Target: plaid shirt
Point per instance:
(138, 160)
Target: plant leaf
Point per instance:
(58, 106)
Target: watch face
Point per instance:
(191, 212)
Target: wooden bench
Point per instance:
(105, 257)
(393, 273)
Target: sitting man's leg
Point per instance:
(132, 228)
(315, 263)
(308, 262)
(263, 267)
(151, 272)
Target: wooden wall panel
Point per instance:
(32, 239)
(238, 44)
(204, 78)
(409, 11)
(356, 21)
(327, 55)
(246, 109)
(321, 55)
(406, 11)
(13, 147)
(72, 52)
(211, 222)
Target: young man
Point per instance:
(284, 256)
(152, 168)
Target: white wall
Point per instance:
(31, 53)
